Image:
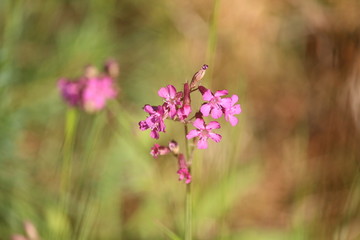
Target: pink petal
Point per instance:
(233, 120)
(205, 109)
(164, 93)
(213, 125)
(207, 96)
(154, 134)
(221, 93)
(202, 144)
(199, 123)
(216, 113)
(236, 109)
(226, 103)
(215, 137)
(234, 99)
(148, 109)
(171, 91)
(193, 133)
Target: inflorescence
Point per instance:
(177, 107)
(91, 91)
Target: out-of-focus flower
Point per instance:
(157, 150)
(155, 121)
(96, 92)
(91, 91)
(231, 109)
(183, 171)
(172, 99)
(203, 132)
(215, 103)
(71, 91)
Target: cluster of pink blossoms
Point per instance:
(177, 107)
(92, 90)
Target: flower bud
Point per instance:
(198, 76)
(91, 71)
(31, 230)
(174, 147)
(112, 68)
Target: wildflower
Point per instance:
(96, 92)
(183, 171)
(71, 91)
(203, 131)
(198, 76)
(157, 150)
(155, 121)
(231, 109)
(172, 98)
(214, 105)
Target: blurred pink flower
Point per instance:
(71, 91)
(96, 92)
(203, 131)
(183, 171)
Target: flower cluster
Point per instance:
(92, 90)
(177, 107)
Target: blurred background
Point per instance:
(288, 170)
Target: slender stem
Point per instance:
(188, 209)
(188, 202)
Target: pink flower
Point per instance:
(157, 150)
(155, 121)
(71, 91)
(97, 92)
(172, 99)
(203, 131)
(231, 109)
(214, 102)
(183, 171)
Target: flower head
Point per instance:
(183, 171)
(231, 109)
(155, 121)
(214, 105)
(97, 92)
(203, 132)
(172, 99)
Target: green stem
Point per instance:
(188, 202)
(66, 168)
(188, 209)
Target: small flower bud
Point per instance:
(198, 76)
(187, 99)
(174, 147)
(112, 68)
(90, 71)
(31, 230)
